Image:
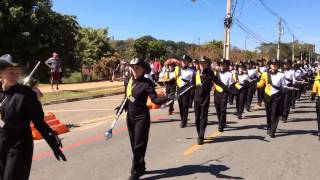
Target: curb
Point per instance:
(80, 98)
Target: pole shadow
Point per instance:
(245, 127)
(283, 133)
(220, 139)
(214, 170)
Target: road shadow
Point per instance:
(301, 119)
(214, 114)
(72, 125)
(283, 133)
(253, 116)
(165, 121)
(220, 139)
(214, 170)
(304, 107)
(300, 111)
(304, 101)
(230, 128)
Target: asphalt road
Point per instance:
(243, 151)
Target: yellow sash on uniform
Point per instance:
(129, 88)
(236, 79)
(166, 76)
(177, 72)
(216, 87)
(264, 82)
(198, 79)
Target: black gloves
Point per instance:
(117, 109)
(312, 96)
(55, 144)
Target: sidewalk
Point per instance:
(46, 88)
(79, 91)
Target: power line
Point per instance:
(234, 8)
(269, 9)
(277, 16)
(250, 32)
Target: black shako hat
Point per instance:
(8, 60)
(186, 58)
(142, 63)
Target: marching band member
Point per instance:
(185, 81)
(204, 82)
(273, 82)
(220, 95)
(19, 105)
(138, 115)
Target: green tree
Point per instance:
(157, 49)
(30, 30)
(93, 44)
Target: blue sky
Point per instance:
(182, 20)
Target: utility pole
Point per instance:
(227, 27)
(279, 40)
(292, 48)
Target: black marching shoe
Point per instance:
(134, 177)
(272, 135)
(183, 125)
(200, 141)
(284, 120)
(239, 116)
(269, 132)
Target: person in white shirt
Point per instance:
(242, 84)
(221, 96)
(253, 77)
(262, 69)
(169, 82)
(185, 78)
(274, 82)
(288, 96)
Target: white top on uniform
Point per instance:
(242, 78)
(226, 78)
(252, 73)
(186, 74)
(278, 80)
(289, 76)
(263, 69)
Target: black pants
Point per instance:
(318, 112)
(260, 95)
(171, 88)
(201, 107)
(273, 110)
(220, 103)
(287, 100)
(15, 157)
(138, 128)
(184, 106)
(192, 93)
(240, 100)
(231, 97)
(295, 95)
(251, 91)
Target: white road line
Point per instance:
(105, 99)
(79, 110)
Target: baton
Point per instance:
(183, 92)
(108, 133)
(27, 79)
